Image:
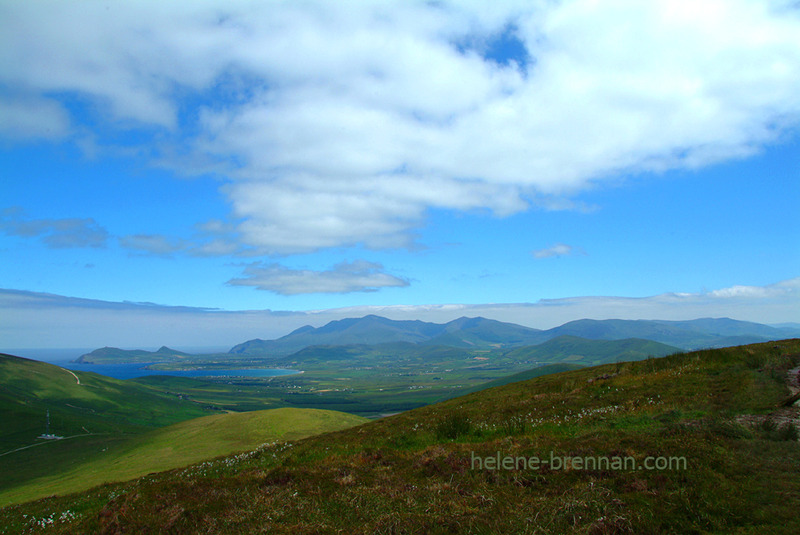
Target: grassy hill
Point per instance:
(182, 444)
(709, 419)
(94, 413)
(547, 369)
(573, 349)
(111, 355)
(79, 403)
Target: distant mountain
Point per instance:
(112, 355)
(481, 332)
(476, 333)
(692, 334)
(792, 327)
(371, 330)
(564, 349)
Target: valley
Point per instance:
(408, 399)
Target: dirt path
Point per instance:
(73, 374)
(49, 442)
(794, 380)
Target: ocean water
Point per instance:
(64, 358)
(132, 371)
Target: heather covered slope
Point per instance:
(575, 350)
(521, 376)
(416, 472)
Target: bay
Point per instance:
(134, 370)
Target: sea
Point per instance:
(65, 358)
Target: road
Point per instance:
(75, 376)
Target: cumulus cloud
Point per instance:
(559, 249)
(339, 123)
(55, 233)
(356, 276)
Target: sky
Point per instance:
(191, 173)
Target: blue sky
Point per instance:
(343, 156)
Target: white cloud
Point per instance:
(342, 123)
(32, 118)
(559, 249)
(782, 289)
(357, 276)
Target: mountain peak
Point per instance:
(374, 329)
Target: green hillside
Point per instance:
(79, 403)
(111, 355)
(726, 451)
(521, 376)
(182, 444)
(572, 349)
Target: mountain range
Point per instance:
(479, 332)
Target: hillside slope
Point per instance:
(78, 402)
(110, 355)
(722, 459)
(182, 444)
(591, 352)
(547, 369)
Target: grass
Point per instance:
(413, 472)
(95, 415)
(180, 445)
(101, 416)
(29, 388)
